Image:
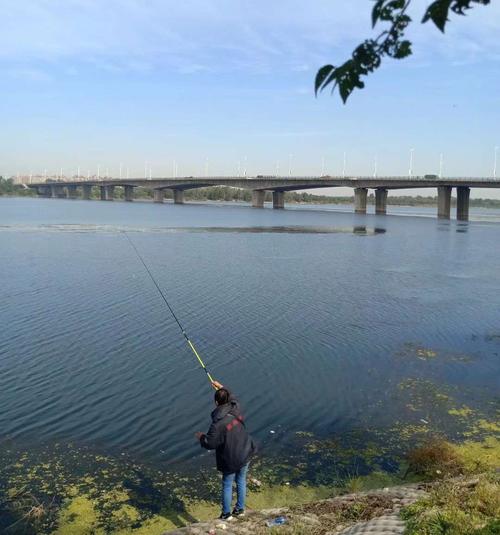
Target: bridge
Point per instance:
(259, 185)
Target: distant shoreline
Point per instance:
(406, 202)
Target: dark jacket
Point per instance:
(228, 437)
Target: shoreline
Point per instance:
(78, 489)
(130, 499)
(349, 202)
(86, 491)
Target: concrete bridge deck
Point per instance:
(278, 186)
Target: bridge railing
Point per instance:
(307, 178)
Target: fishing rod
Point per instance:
(190, 344)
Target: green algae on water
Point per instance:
(82, 492)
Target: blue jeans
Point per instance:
(241, 489)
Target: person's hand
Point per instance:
(198, 435)
(217, 385)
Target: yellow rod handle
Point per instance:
(200, 361)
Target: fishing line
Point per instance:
(171, 310)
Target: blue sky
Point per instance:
(88, 82)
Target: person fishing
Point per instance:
(227, 434)
(233, 447)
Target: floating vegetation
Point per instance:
(425, 354)
(493, 337)
(423, 395)
(418, 351)
(304, 433)
(432, 408)
(463, 412)
(79, 491)
(410, 350)
(63, 489)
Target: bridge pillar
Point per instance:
(159, 195)
(178, 196)
(360, 195)
(129, 193)
(72, 192)
(107, 193)
(44, 192)
(444, 202)
(258, 197)
(87, 191)
(463, 193)
(279, 199)
(56, 191)
(381, 201)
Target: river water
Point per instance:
(314, 316)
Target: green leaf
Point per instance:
(402, 50)
(438, 13)
(396, 4)
(323, 77)
(460, 6)
(376, 11)
(368, 56)
(345, 89)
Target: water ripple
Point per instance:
(295, 311)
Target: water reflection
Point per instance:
(458, 226)
(362, 230)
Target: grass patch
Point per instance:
(457, 507)
(479, 457)
(286, 495)
(465, 505)
(438, 458)
(374, 480)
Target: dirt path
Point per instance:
(375, 513)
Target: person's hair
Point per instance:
(221, 396)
